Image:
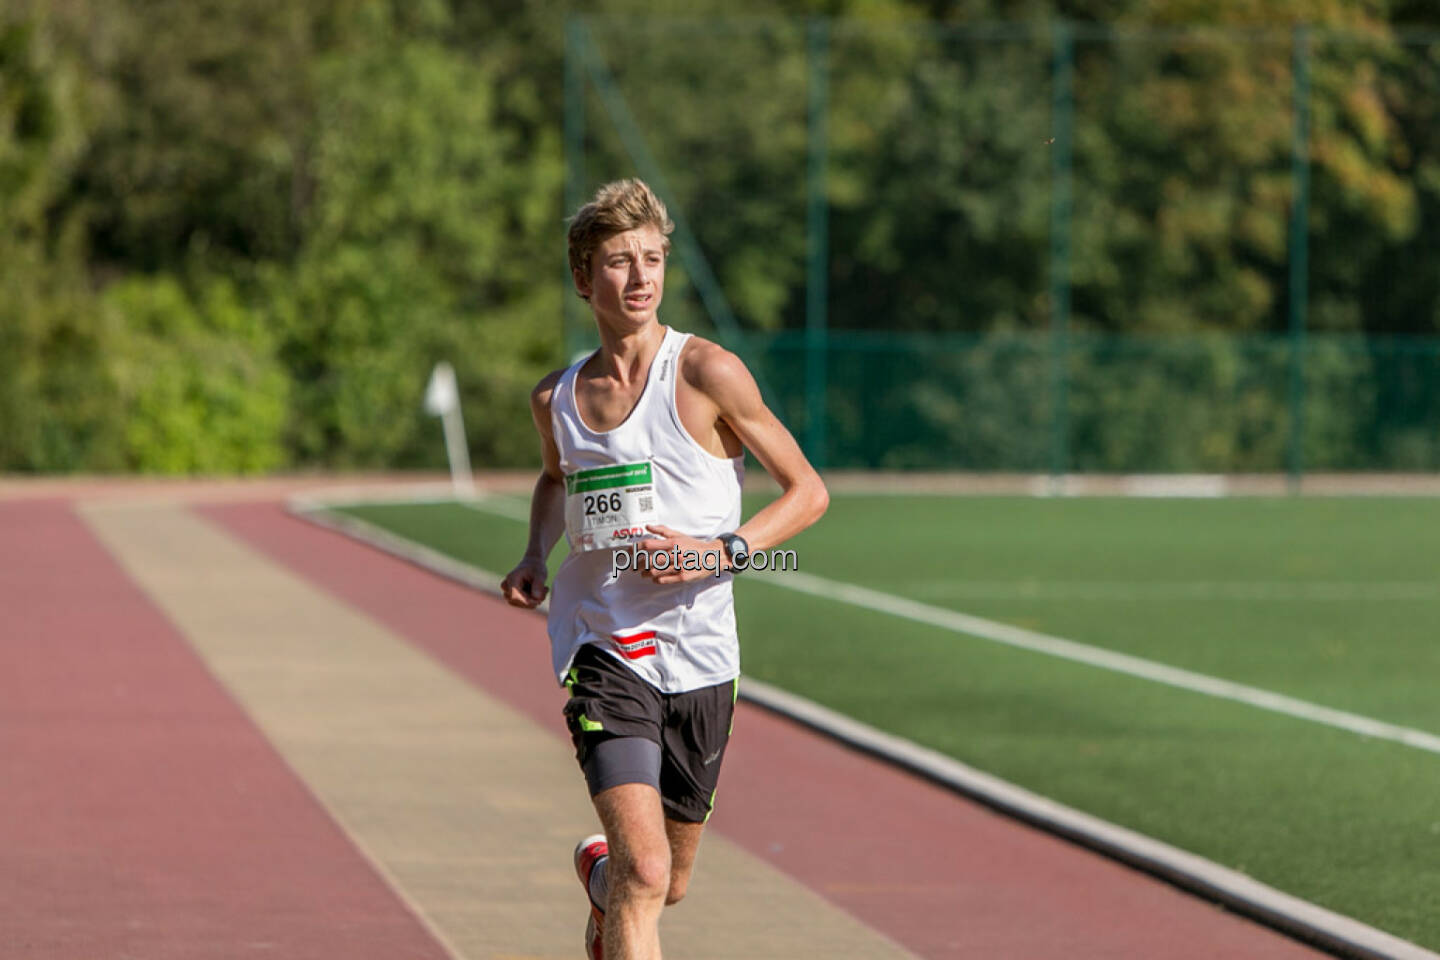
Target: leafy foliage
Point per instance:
(198, 380)
(235, 237)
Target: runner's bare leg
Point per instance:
(684, 841)
(638, 873)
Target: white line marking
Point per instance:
(507, 507)
(1209, 879)
(983, 629)
(503, 506)
(1099, 657)
(1111, 590)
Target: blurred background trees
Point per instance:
(234, 237)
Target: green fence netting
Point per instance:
(1050, 247)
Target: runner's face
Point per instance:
(627, 277)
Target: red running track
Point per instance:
(943, 876)
(142, 815)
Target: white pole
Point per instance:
(442, 399)
(459, 455)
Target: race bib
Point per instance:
(609, 506)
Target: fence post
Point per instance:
(570, 321)
(1299, 251)
(817, 245)
(1061, 119)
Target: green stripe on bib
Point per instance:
(607, 477)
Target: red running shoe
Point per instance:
(588, 853)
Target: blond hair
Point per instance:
(618, 206)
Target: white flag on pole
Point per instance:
(441, 394)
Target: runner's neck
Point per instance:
(626, 357)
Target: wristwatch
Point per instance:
(736, 549)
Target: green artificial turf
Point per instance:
(1332, 601)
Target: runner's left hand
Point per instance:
(674, 543)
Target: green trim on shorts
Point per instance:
(573, 678)
(734, 698)
(712, 805)
(588, 725)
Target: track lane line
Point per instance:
(464, 805)
(142, 813)
(1072, 650)
(979, 627)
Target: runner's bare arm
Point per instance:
(722, 377)
(525, 585)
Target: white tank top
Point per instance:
(677, 636)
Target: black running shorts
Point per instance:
(610, 712)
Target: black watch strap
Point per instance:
(736, 549)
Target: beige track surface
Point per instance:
(467, 808)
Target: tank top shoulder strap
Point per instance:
(677, 342)
(667, 366)
(562, 398)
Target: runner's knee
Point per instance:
(648, 874)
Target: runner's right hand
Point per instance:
(525, 585)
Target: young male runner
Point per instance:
(645, 438)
